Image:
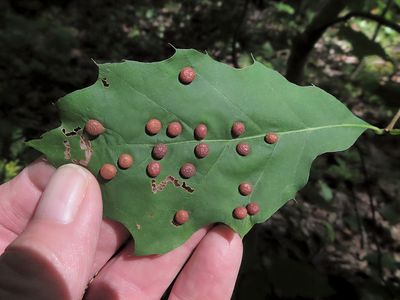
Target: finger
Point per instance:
(141, 277)
(112, 236)
(212, 270)
(53, 257)
(18, 199)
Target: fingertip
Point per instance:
(215, 263)
(223, 239)
(39, 173)
(227, 233)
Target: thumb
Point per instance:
(53, 257)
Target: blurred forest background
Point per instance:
(340, 237)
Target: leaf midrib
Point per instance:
(235, 140)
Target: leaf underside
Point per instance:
(126, 95)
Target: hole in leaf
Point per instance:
(155, 188)
(187, 188)
(105, 82)
(67, 151)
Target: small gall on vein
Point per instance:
(243, 149)
(271, 138)
(108, 171)
(200, 132)
(187, 170)
(245, 188)
(240, 212)
(174, 129)
(159, 151)
(94, 128)
(153, 169)
(237, 129)
(125, 161)
(187, 75)
(201, 150)
(181, 217)
(153, 126)
(252, 208)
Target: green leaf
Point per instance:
(394, 132)
(330, 232)
(285, 8)
(362, 44)
(307, 120)
(325, 191)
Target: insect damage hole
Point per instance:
(155, 188)
(105, 82)
(69, 133)
(67, 151)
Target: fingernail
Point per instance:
(63, 195)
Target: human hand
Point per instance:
(53, 242)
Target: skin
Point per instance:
(53, 241)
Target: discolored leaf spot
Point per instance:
(153, 169)
(108, 171)
(245, 188)
(243, 149)
(181, 217)
(67, 151)
(187, 170)
(200, 132)
(240, 212)
(201, 150)
(94, 128)
(174, 129)
(187, 75)
(153, 126)
(252, 208)
(271, 138)
(237, 129)
(125, 161)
